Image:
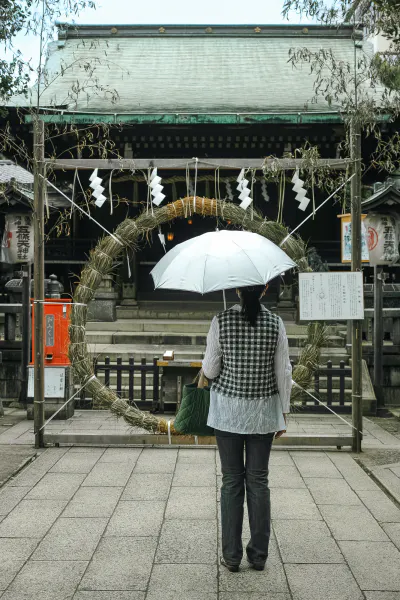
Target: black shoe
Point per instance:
(256, 566)
(231, 568)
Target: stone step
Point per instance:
(191, 353)
(171, 339)
(187, 311)
(323, 381)
(183, 326)
(137, 390)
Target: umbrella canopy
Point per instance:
(220, 260)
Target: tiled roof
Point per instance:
(10, 171)
(158, 73)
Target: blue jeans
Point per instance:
(238, 472)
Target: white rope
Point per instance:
(314, 211)
(169, 433)
(195, 184)
(326, 406)
(110, 191)
(83, 211)
(65, 403)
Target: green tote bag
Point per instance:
(193, 412)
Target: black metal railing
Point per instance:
(125, 387)
(334, 397)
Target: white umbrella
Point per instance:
(221, 260)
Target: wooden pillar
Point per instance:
(378, 335)
(356, 265)
(38, 401)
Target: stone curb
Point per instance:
(386, 479)
(20, 467)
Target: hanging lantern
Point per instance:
(170, 236)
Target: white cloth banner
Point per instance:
(383, 238)
(17, 244)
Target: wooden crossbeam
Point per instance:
(177, 164)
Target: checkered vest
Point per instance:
(248, 355)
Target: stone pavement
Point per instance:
(142, 524)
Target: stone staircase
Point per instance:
(148, 331)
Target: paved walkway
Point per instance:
(142, 524)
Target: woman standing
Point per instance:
(247, 357)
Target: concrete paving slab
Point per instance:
(93, 502)
(77, 538)
(381, 507)
(332, 491)
(86, 450)
(143, 486)
(110, 595)
(315, 466)
(56, 486)
(109, 475)
(272, 579)
(13, 459)
(120, 563)
(154, 460)
(375, 565)
(293, 504)
(176, 595)
(136, 519)
(189, 475)
(393, 531)
(10, 497)
(315, 582)
(306, 542)
(278, 457)
(284, 476)
(14, 552)
(188, 541)
(57, 578)
(191, 503)
(183, 578)
(389, 480)
(31, 518)
(28, 595)
(30, 477)
(253, 596)
(197, 456)
(121, 455)
(382, 595)
(75, 463)
(352, 523)
(353, 473)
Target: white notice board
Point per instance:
(54, 382)
(331, 296)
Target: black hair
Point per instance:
(250, 301)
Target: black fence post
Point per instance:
(119, 376)
(131, 379)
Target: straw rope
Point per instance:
(132, 232)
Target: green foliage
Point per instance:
(35, 17)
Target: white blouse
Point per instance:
(243, 415)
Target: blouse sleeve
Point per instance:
(212, 357)
(283, 368)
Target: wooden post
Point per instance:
(38, 401)
(356, 265)
(378, 335)
(26, 331)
